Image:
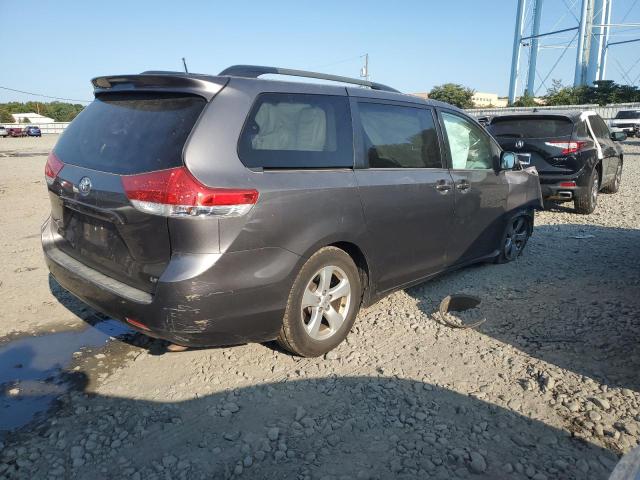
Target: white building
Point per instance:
(482, 99)
(34, 118)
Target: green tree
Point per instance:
(525, 100)
(59, 111)
(454, 94)
(559, 94)
(5, 116)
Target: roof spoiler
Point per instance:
(255, 71)
(205, 86)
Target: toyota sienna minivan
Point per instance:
(216, 210)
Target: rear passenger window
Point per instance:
(298, 131)
(399, 137)
(600, 130)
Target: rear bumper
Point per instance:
(626, 128)
(553, 190)
(200, 300)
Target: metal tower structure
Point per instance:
(593, 31)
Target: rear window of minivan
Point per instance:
(129, 133)
(531, 127)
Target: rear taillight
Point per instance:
(567, 147)
(175, 193)
(52, 168)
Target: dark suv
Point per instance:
(574, 152)
(211, 210)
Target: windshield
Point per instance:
(130, 133)
(531, 127)
(628, 114)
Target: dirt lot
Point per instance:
(547, 387)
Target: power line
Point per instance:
(629, 11)
(45, 96)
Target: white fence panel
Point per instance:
(607, 112)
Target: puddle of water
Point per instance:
(32, 370)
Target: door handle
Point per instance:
(463, 186)
(442, 186)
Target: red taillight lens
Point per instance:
(174, 192)
(52, 168)
(568, 184)
(567, 147)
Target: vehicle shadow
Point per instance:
(572, 299)
(98, 320)
(346, 427)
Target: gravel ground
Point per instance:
(548, 387)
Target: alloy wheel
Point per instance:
(618, 179)
(594, 188)
(516, 238)
(325, 302)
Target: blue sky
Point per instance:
(55, 47)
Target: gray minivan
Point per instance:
(215, 210)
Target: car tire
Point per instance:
(317, 320)
(586, 199)
(615, 185)
(515, 237)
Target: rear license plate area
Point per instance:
(524, 158)
(85, 231)
(96, 235)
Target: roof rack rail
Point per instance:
(254, 71)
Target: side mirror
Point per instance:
(618, 136)
(508, 161)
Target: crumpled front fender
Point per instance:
(524, 189)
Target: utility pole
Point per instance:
(597, 40)
(605, 42)
(515, 58)
(364, 71)
(586, 17)
(184, 62)
(533, 57)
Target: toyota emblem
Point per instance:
(84, 187)
(519, 144)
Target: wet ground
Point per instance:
(35, 370)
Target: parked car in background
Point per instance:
(32, 131)
(3, 132)
(15, 132)
(252, 209)
(627, 121)
(574, 152)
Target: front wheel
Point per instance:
(322, 305)
(514, 238)
(615, 185)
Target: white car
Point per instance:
(3, 132)
(627, 121)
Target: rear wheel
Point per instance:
(587, 199)
(514, 239)
(615, 185)
(322, 305)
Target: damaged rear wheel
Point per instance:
(515, 237)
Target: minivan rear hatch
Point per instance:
(543, 141)
(119, 134)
